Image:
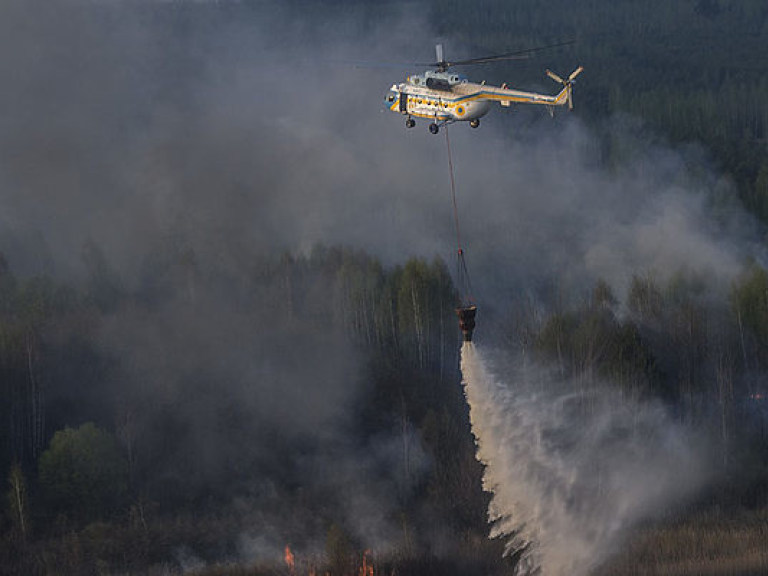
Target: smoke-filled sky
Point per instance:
(245, 130)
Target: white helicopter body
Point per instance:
(445, 97)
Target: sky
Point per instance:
(250, 131)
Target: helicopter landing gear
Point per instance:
(474, 123)
(410, 123)
(434, 128)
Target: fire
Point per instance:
(366, 569)
(290, 561)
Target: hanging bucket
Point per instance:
(466, 316)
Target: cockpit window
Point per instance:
(391, 98)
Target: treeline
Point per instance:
(145, 426)
(694, 71)
(676, 341)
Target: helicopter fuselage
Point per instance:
(439, 96)
(445, 97)
(438, 105)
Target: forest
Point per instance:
(193, 384)
(120, 485)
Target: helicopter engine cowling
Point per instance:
(438, 84)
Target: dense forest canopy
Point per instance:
(226, 277)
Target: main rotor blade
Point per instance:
(489, 59)
(371, 64)
(517, 55)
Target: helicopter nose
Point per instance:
(390, 99)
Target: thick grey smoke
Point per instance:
(242, 132)
(570, 471)
(171, 148)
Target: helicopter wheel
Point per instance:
(474, 123)
(410, 123)
(434, 128)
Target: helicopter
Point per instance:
(444, 97)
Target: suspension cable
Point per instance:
(453, 191)
(463, 281)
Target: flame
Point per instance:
(290, 561)
(366, 569)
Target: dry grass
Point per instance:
(706, 544)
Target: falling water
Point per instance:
(570, 471)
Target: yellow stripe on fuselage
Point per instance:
(443, 101)
(423, 103)
(422, 110)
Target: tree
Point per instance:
(749, 299)
(83, 473)
(758, 203)
(104, 288)
(644, 299)
(338, 551)
(17, 500)
(424, 296)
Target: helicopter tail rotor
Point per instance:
(567, 83)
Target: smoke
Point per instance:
(184, 145)
(240, 129)
(571, 471)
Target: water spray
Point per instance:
(570, 471)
